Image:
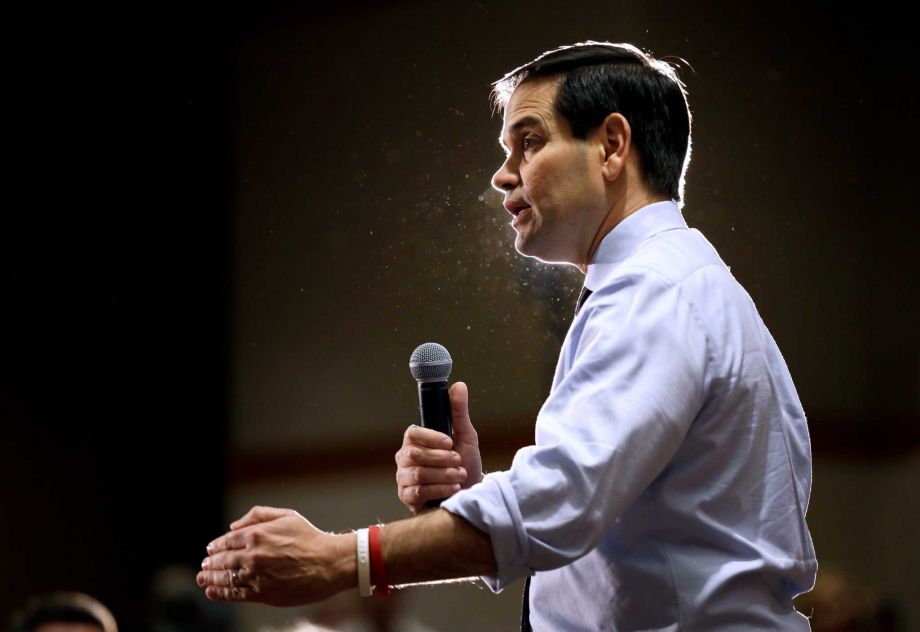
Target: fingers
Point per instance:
(223, 561)
(409, 476)
(260, 514)
(427, 437)
(415, 455)
(228, 570)
(427, 467)
(460, 413)
(222, 593)
(222, 578)
(459, 400)
(415, 496)
(229, 541)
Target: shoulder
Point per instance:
(681, 260)
(652, 295)
(675, 255)
(674, 281)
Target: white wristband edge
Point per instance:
(364, 564)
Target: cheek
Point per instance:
(541, 187)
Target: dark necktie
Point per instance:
(525, 605)
(585, 293)
(525, 608)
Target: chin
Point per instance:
(524, 248)
(533, 251)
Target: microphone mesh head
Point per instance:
(430, 362)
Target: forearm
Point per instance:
(432, 546)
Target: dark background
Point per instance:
(199, 197)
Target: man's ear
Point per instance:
(616, 139)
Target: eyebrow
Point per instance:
(526, 121)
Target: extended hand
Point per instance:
(427, 468)
(275, 556)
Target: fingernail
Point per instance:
(205, 562)
(210, 548)
(200, 579)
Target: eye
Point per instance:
(529, 142)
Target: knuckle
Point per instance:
(408, 496)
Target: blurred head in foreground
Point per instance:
(64, 612)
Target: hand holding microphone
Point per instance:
(432, 464)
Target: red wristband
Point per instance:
(378, 572)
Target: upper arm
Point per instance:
(634, 379)
(611, 425)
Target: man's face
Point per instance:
(552, 182)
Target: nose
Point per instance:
(506, 178)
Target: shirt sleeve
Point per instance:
(634, 371)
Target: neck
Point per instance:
(617, 212)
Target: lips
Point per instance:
(520, 216)
(515, 207)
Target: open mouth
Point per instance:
(520, 214)
(516, 209)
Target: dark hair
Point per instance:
(599, 78)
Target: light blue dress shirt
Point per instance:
(672, 468)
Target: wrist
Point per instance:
(378, 568)
(343, 569)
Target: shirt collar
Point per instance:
(626, 236)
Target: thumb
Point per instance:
(259, 514)
(460, 412)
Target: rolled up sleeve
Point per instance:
(630, 382)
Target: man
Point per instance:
(671, 473)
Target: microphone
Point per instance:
(430, 365)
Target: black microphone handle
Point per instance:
(434, 407)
